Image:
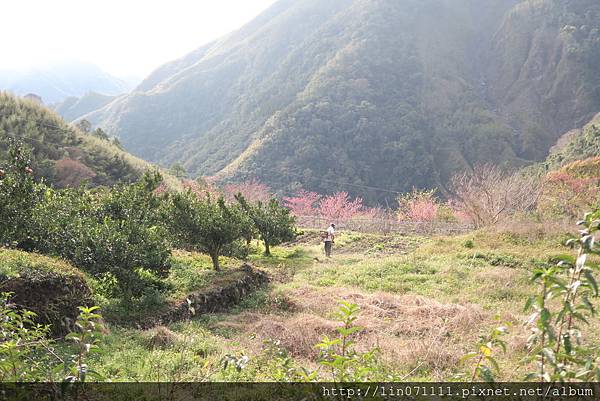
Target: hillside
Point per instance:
(329, 95)
(74, 107)
(576, 145)
(61, 154)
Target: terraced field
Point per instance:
(424, 303)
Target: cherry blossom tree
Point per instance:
(202, 189)
(419, 206)
(252, 190)
(304, 203)
(339, 207)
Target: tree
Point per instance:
(19, 194)
(115, 141)
(178, 170)
(252, 191)
(206, 225)
(339, 207)
(201, 188)
(106, 230)
(488, 194)
(304, 203)
(84, 126)
(418, 206)
(572, 189)
(274, 223)
(99, 133)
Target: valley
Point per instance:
(177, 229)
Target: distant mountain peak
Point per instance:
(57, 81)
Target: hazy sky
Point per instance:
(123, 37)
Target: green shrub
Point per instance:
(339, 355)
(104, 231)
(21, 344)
(557, 342)
(27, 354)
(115, 230)
(499, 259)
(18, 196)
(486, 365)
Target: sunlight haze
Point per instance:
(123, 38)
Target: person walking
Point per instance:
(329, 239)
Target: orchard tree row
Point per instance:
(125, 229)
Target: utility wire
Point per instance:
(297, 175)
(339, 182)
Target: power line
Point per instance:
(339, 182)
(298, 175)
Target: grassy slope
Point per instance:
(12, 263)
(424, 303)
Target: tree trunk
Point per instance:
(267, 249)
(248, 240)
(215, 260)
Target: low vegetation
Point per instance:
(163, 267)
(408, 315)
(50, 287)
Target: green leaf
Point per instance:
(468, 356)
(545, 317)
(486, 374)
(348, 331)
(591, 281)
(567, 343)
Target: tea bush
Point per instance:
(102, 231)
(18, 195)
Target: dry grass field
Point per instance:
(424, 302)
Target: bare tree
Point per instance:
(487, 194)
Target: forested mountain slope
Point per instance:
(384, 93)
(61, 154)
(74, 107)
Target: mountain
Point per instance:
(339, 94)
(62, 154)
(56, 82)
(74, 107)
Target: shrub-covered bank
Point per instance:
(125, 233)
